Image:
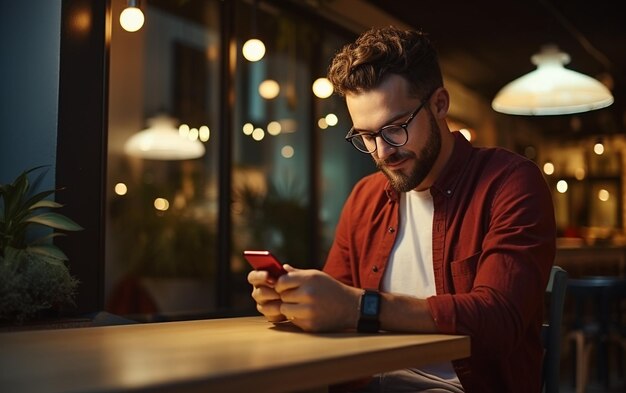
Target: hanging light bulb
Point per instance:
(131, 17)
(254, 48)
(552, 89)
(598, 148)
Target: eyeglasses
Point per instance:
(394, 134)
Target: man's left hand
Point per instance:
(315, 301)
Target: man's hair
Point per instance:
(377, 53)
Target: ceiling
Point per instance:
(485, 44)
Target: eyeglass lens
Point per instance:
(393, 135)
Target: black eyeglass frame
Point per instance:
(353, 134)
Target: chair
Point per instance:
(551, 331)
(597, 323)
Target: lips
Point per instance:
(395, 164)
(395, 161)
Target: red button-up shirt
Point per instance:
(493, 248)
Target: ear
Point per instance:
(440, 103)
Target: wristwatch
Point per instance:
(369, 311)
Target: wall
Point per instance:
(29, 44)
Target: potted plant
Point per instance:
(33, 272)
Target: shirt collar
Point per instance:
(449, 177)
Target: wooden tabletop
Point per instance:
(219, 355)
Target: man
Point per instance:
(449, 238)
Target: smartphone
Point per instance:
(264, 260)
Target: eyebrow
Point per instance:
(396, 120)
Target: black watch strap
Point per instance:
(369, 311)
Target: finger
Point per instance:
(260, 278)
(295, 295)
(290, 268)
(271, 311)
(291, 280)
(263, 294)
(294, 311)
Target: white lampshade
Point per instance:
(552, 89)
(162, 141)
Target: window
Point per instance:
(289, 169)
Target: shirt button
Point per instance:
(375, 269)
(391, 230)
(448, 192)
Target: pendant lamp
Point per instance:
(254, 49)
(551, 89)
(162, 141)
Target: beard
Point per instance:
(422, 163)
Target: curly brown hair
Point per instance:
(379, 52)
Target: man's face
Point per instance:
(406, 166)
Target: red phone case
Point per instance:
(264, 260)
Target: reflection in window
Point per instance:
(289, 172)
(162, 163)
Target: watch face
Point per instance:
(370, 305)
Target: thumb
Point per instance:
(290, 268)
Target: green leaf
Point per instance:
(37, 197)
(49, 251)
(55, 220)
(45, 203)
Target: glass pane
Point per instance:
(162, 188)
(272, 140)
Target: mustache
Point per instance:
(394, 158)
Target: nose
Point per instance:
(383, 149)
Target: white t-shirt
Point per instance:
(410, 268)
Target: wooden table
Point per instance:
(220, 355)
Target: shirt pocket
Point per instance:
(464, 273)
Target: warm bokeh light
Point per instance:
(269, 89)
(321, 123)
(548, 168)
(561, 186)
(598, 148)
(603, 195)
(161, 204)
(205, 133)
(131, 19)
(248, 128)
(274, 128)
(121, 189)
(258, 134)
(287, 151)
(253, 50)
(322, 88)
(183, 130)
(193, 134)
(331, 119)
